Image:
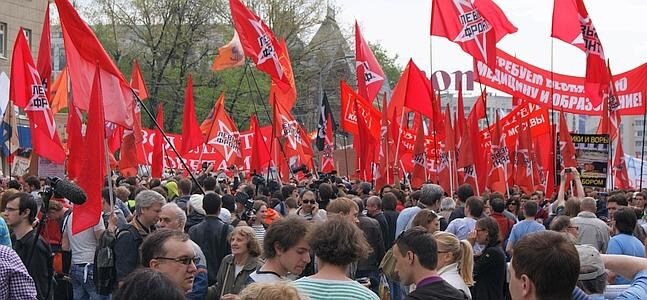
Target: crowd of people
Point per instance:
(220, 237)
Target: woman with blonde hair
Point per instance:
(455, 261)
(236, 267)
(282, 290)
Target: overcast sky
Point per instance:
(402, 27)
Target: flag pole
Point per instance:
(642, 151)
(108, 175)
(433, 111)
(168, 141)
(551, 119)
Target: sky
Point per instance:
(402, 27)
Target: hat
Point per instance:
(591, 264)
(196, 203)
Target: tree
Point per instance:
(391, 68)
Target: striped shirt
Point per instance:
(323, 289)
(260, 232)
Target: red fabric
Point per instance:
(191, 134)
(286, 127)
(369, 73)
(132, 151)
(470, 151)
(27, 92)
(573, 25)
(499, 160)
(386, 154)
(74, 142)
(137, 82)
(418, 94)
(446, 176)
(289, 96)
(82, 52)
(566, 146)
(93, 162)
(115, 136)
(418, 177)
(366, 148)
(475, 26)
(261, 154)
(620, 176)
(259, 43)
(157, 162)
(44, 63)
(524, 176)
(327, 159)
(526, 112)
(221, 132)
(349, 115)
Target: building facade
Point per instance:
(28, 14)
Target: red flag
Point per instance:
(418, 95)
(288, 128)
(157, 162)
(469, 150)
(261, 154)
(460, 116)
(566, 147)
(289, 96)
(93, 162)
(349, 116)
(419, 159)
(259, 42)
(365, 145)
(499, 160)
(132, 152)
(369, 73)
(476, 26)
(620, 176)
(137, 82)
(82, 52)
(387, 151)
(27, 92)
(572, 24)
(221, 132)
(524, 176)
(191, 134)
(446, 178)
(610, 118)
(44, 63)
(74, 142)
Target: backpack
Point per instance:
(105, 270)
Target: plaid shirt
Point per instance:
(5, 238)
(15, 282)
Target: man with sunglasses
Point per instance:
(310, 208)
(170, 252)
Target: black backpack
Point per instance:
(105, 270)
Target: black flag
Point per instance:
(325, 116)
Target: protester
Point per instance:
(623, 242)
(564, 225)
(173, 217)
(552, 277)
(447, 206)
(591, 230)
(415, 253)
(257, 221)
(524, 227)
(195, 211)
(20, 213)
(592, 278)
(462, 226)
(271, 291)
(170, 252)
(336, 243)
(389, 202)
(505, 223)
(236, 267)
(427, 219)
(286, 250)
(629, 267)
(309, 208)
(368, 267)
(147, 209)
(429, 198)
(211, 235)
(16, 281)
(148, 284)
(455, 261)
(374, 210)
(463, 193)
(489, 264)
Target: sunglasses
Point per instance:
(183, 260)
(309, 201)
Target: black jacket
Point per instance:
(371, 229)
(211, 235)
(40, 267)
(437, 290)
(384, 228)
(129, 239)
(194, 218)
(391, 219)
(489, 273)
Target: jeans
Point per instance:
(83, 283)
(397, 291)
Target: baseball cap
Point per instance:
(591, 264)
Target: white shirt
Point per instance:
(84, 243)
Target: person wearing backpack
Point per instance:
(211, 235)
(148, 205)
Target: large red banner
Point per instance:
(525, 81)
(209, 153)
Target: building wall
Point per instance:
(28, 14)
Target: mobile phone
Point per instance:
(205, 165)
(363, 280)
(568, 170)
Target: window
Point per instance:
(27, 36)
(3, 39)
